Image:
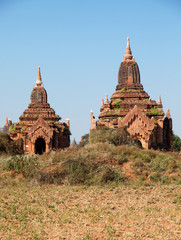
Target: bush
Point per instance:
(55, 176)
(85, 140)
(162, 163)
(121, 159)
(10, 147)
(80, 166)
(77, 172)
(116, 137)
(139, 167)
(157, 177)
(105, 174)
(176, 143)
(24, 164)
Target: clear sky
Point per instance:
(79, 46)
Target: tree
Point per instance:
(84, 140)
(176, 143)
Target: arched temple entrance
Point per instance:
(40, 146)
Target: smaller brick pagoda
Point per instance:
(39, 126)
(131, 107)
(7, 125)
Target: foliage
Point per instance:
(8, 146)
(176, 143)
(20, 123)
(117, 110)
(117, 102)
(77, 167)
(155, 111)
(112, 136)
(157, 177)
(13, 127)
(27, 165)
(122, 90)
(157, 166)
(97, 164)
(102, 163)
(85, 139)
(110, 112)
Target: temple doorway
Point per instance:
(40, 146)
(138, 143)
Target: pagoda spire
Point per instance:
(73, 143)
(168, 114)
(6, 123)
(128, 54)
(102, 103)
(160, 106)
(106, 101)
(39, 81)
(159, 100)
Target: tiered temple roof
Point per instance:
(129, 92)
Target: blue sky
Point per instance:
(79, 46)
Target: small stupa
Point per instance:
(73, 144)
(7, 125)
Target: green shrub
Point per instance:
(157, 177)
(121, 159)
(77, 172)
(82, 166)
(146, 156)
(155, 111)
(105, 174)
(139, 167)
(117, 102)
(116, 137)
(10, 147)
(85, 141)
(176, 143)
(51, 177)
(161, 162)
(27, 165)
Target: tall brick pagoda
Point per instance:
(39, 126)
(132, 107)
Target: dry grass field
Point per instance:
(93, 192)
(79, 212)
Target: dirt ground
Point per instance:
(80, 212)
